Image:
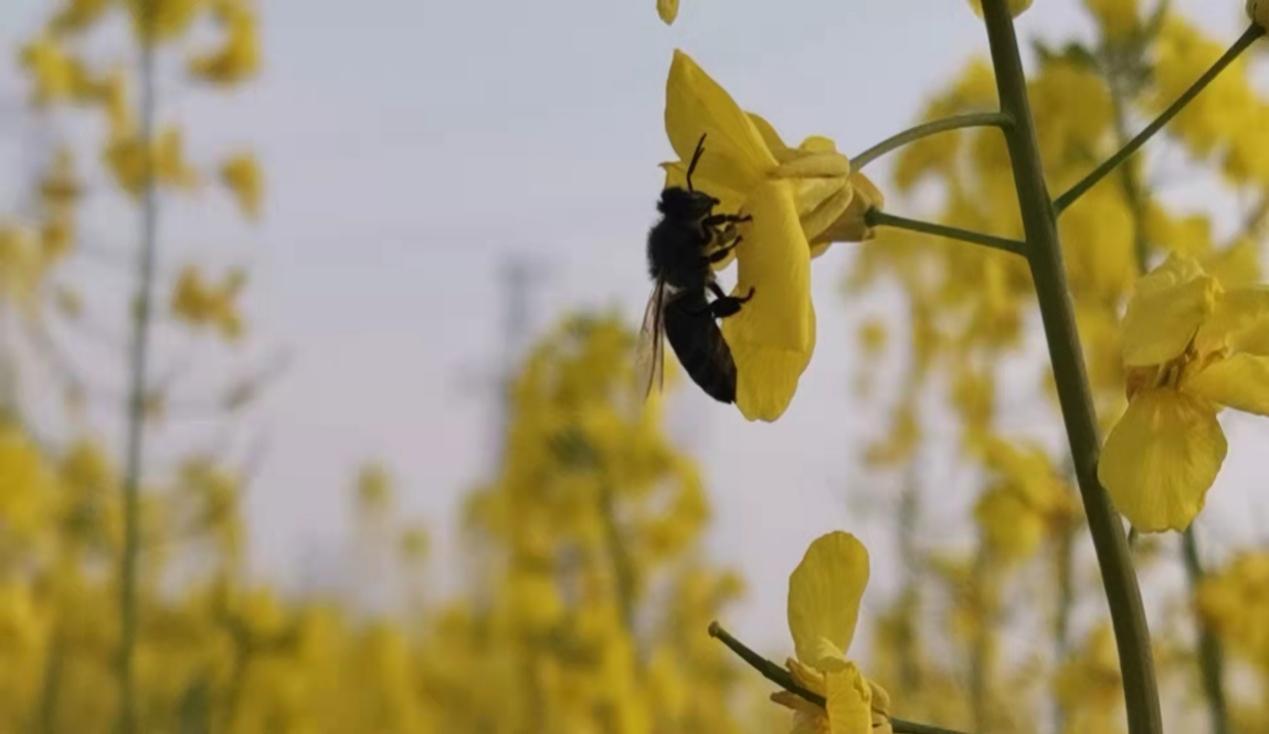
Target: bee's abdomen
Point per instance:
(699, 345)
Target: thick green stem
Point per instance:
(783, 678)
(926, 129)
(1246, 39)
(140, 312)
(878, 218)
(1211, 657)
(1044, 255)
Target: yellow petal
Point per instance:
(824, 594)
(850, 226)
(1165, 311)
(735, 154)
(1239, 322)
(772, 337)
(848, 702)
(668, 10)
(1161, 458)
(1240, 381)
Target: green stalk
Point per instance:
(878, 218)
(140, 312)
(1248, 37)
(926, 129)
(1044, 256)
(1211, 658)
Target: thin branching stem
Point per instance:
(783, 678)
(140, 312)
(878, 218)
(1069, 197)
(926, 129)
(1044, 255)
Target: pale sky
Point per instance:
(413, 150)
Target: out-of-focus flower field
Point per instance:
(586, 592)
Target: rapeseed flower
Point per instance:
(824, 594)
(799, 199)
(1190, 347)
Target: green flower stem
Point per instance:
(1248, 37)
(878, 218)
(1211, 657)
(926, 129)
(1044, 256)
(140, 312)
(781, 677)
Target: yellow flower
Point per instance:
(127, 160)
(52, 70)
(163, 20)
(77, 15)
(241, 174)
(1118, 18)
(1190, 347)
(202, 304)
(824, 594)
(1015, 6)
(668, 10)
(239, 58)
(796, 196)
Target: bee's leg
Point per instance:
(721, 253)
(728, 305)
(714, 220)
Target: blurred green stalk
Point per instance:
(141, 310)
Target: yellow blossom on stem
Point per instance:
(203, 304)
(238, 59)
(795, 196)
(1190, 347)
(824, 594)
(241, 174)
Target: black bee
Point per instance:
(681, 248)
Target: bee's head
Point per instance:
(679, 203)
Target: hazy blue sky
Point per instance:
(413, 150)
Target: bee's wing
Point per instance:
(650, 352)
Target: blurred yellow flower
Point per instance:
(1190, 347)
(202, 304)
(127, 161)
(824, 594)
(77, 15)
(53, 72)
(241, 174)
(668, 10)
(1118, 18)
(238, 59)
(163, 20)
(794, 196)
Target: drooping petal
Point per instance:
(735, 154)
(772, 337)
(824, 594)
(1166, 310)
(1161, 458)
(1240, 381)
(848, 701)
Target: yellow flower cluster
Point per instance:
(204, 304)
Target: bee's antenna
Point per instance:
(696, 157)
